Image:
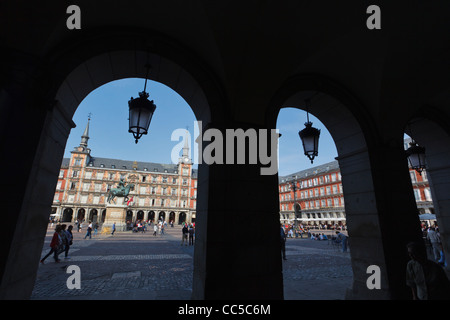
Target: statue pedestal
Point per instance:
(116, 213)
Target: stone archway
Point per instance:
(81, 213)
(431, 130)
(67, 215)
(369, 221)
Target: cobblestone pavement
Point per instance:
(139, 266)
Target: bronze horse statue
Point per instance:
(120, 192)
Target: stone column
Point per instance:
(381, 218)
(233, 201)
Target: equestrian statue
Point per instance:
(120, 191)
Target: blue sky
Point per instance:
(109, 137)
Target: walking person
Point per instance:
(162, 228)
(95, 229)
(191, 235)
(69, 236)
(113, 228)
(435, 240)
(343, 239)
(426, 278)
(184, 235)
(155, 229)
(55, 244)
(64, 240)
(283, 242)
(89, 231)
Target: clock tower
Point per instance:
(185, 156)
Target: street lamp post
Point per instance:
(141, 112)
(294, 186)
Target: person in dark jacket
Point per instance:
(55, 245)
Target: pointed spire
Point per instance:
(85, 136)
(186, 145)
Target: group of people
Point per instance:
(61, 241)
(188, 232)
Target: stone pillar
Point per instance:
(235, 200)
(381, 218)
(35, 175)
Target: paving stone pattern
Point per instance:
(140, 266)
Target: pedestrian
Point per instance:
(184, 235)
(95, 229)
(155, 229)
(89, 231)
(435, 241)
(55, 245)
(69, 236)
(113, 228)
(64, 239)
(283, 242)
(342, 238)
(191, 235)
(162, 228)
(426, 278)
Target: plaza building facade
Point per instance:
(165, 192)
(320, 198)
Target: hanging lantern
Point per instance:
(416, 157)
(310, 138)
(140, 113)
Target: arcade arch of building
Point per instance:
(97, 214)
(234, 75)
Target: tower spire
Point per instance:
(186, 145)
(85, 136)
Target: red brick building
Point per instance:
(161, 191)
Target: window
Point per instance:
(143, 178)
(86, 186)
(75, 174)
(88, 174)
(96, 199)
(417, 195)
(142, 190)
(334, 189)
(328, 190)
(427, 194)
(61, 173)
(84, 199)
(413, 176)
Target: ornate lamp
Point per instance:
(416, 156)
(141, 112)
(310, 137)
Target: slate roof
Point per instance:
(311, 172)
(128, 165)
